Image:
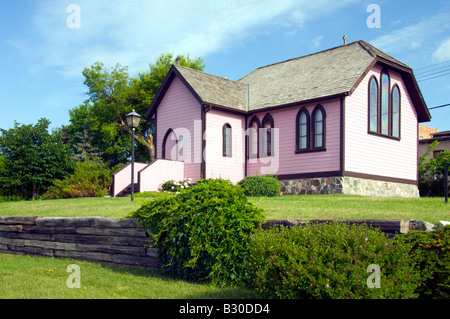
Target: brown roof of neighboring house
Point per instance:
(331, 73)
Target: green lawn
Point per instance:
(26, 277)
(302, 206)
(45, 278)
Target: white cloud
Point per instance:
(420, 34)
(135, 32)
(315, 43)
(442, 53)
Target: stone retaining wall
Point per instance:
(347, 185)
(121, 241)
(97, 239)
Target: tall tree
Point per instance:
(32, 159)
(112, 94)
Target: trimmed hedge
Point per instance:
(430, 252)
(202, 233)
(329, 261)
(260, 186)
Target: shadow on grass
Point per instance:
(208, 291)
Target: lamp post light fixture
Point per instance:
(133, 120)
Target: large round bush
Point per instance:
(330, 261)
(204, 232)
(260, 186)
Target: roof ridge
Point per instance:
(206, 73)
(301, 57)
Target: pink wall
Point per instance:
(375, 155)
(218, 166)
(286, 161)
(180, 111)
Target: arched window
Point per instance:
(395, 111)
(303, 136)
(318, 118)
(253, 137)
(170, 145)
(373, 105)
(385, 84)
(226, 139)
(267, 135)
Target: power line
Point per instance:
(424, 73)
(439, 106)
(431, 65)
(427, 78)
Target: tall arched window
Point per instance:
(267, 135)
(303, 130)
(253, 137)
(373, 105)
(395, 111)
(385, 84)
(226, 139)
(318, 117)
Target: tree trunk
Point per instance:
(149, 144)
(33, 192)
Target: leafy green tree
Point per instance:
(32, 159)
(431, 172)
(112, 94)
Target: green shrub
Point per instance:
(431, 172)
(176, 186)
(329, 261)
(90, 179)
(203, 233)
(260, 186)
(431, 254)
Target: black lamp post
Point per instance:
(133, 120)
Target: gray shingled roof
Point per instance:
(310, 77)
(333, 72)
(215, 90)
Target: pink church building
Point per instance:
(344, 120)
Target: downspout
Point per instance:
(247, 106)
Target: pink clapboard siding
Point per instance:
(181, 112)
(375, 155)
(218, 166)
(285, 161)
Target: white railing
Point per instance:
(122, 178)
(158, 172)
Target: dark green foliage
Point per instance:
(203, 233)
(431, 172)
(431, 253)
(32, 158)
(328, 261)
(91, 179)
(260, 186)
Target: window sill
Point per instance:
(312, 150)
(384, 135)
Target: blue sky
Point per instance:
(41, 58)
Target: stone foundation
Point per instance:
(347, 185)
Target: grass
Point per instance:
(305, 207)
(354, 207)
(45, 278)
(27, 277)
